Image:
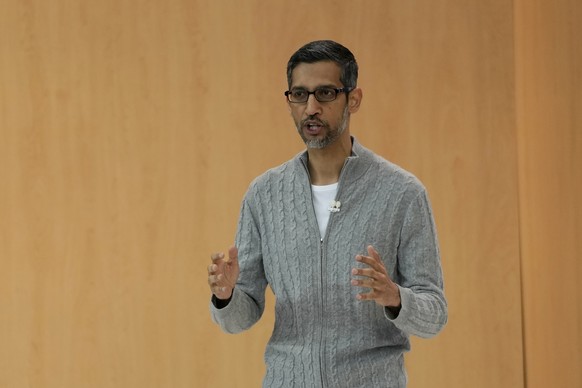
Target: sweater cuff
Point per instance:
(399, 315)
(220, 308)
(221, 303)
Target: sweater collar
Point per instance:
(355, 166)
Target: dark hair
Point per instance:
(326, 50)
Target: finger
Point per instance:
(233, 254)
(367, 272)
(212, 269)
(367, 295)
(218, 290)
(374, 253)
(378, 266)
(216, 257)
(214, 279)
(366, 283)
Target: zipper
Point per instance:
(321, 330)
(321, 279)
(323, 258)
(322, 268)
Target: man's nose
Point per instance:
(313, 106)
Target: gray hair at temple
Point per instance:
(326, 50)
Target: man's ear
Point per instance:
(354, 100)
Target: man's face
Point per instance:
(319, 123)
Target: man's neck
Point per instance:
(325, 164)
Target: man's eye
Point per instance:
(297, 94)
(326, 92)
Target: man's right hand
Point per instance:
(222, 274)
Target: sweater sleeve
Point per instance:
(424, 307)
(248, 300)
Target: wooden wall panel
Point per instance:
(549, 75)
(441, 103)
(130, 130)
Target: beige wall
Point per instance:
(549, 96)
(129, 130)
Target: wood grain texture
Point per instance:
(131, 129)
(444, 101)
(549, 69)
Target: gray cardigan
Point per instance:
(323, 335)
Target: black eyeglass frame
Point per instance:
(346, 90)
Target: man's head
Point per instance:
(322, 77)
(326, 50)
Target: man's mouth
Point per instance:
(313, 127)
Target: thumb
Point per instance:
(233, 255)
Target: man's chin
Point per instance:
(319, 143)
(315, 144)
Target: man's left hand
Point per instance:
(382, 289)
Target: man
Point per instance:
(344, 238)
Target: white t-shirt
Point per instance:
(322, 197)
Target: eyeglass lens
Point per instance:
(321, 95)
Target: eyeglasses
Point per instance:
(324, 94)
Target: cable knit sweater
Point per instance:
(323, 335)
